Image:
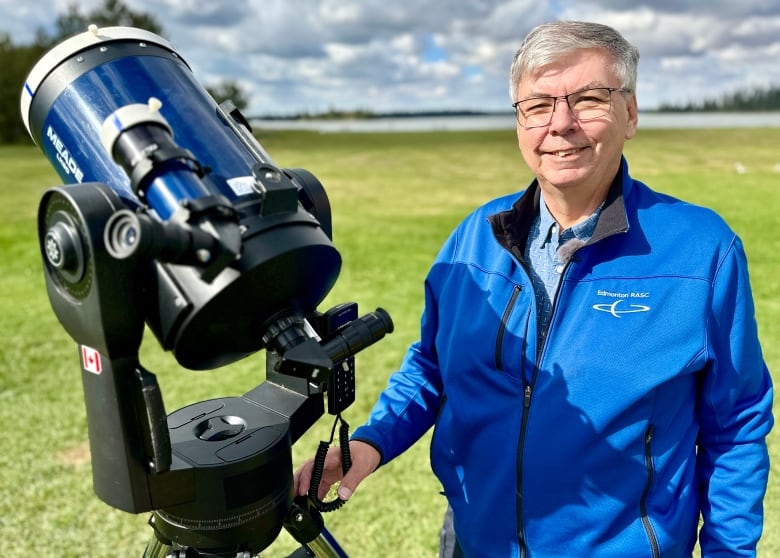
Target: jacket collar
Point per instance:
(511, 227)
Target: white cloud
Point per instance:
(407, 54)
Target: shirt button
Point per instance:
(559, 269)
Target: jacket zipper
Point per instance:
(643, 503)
(524, 551)
(528, 391)
(519, 496)
(502, 328)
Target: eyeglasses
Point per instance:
(587, 104)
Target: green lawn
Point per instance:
(395, 197)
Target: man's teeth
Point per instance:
(567, 152)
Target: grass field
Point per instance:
(395, 197)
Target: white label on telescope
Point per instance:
(242, 185)
(64, 157)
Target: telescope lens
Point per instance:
(122, 234)
(128, 234)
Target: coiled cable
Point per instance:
(319, 465)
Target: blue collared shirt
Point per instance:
(544, 259)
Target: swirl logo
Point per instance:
(616, 310)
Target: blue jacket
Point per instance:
(647, 405)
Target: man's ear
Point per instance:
(633, 115)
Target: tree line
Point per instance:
(16, 60)
(747, 100)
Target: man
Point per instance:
(588, 353)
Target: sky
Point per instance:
(309, 56)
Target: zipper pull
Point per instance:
(527, 397)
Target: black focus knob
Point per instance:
(63, 249)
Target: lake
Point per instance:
(647, 120)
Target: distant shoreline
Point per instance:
(358, 115)
(417, 122)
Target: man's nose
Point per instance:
(563, 118)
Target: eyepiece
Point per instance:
(359, 334)
(123, 234)
(129, 234)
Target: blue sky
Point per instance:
(387, 55)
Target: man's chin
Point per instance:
(566, 178)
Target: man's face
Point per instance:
(569, 154)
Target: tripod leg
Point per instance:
(326, 546)
(156, 548)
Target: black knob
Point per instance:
(62, 248)
(216, 429)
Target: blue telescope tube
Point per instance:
(77, 86)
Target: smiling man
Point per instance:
(588, 354)
(573, 118)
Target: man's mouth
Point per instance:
(563, 153)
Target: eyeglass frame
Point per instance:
(555, 100)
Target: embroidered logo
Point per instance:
(618, 309)
(622, 302)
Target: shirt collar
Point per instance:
(582, 230)
(546, 221)
(511, 226)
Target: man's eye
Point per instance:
(538, 106)
(588, 100)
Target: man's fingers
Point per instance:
(302, 478)
(365, 460)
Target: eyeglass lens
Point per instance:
(585, 105)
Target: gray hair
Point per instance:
(548, 42)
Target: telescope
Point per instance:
(172, 216)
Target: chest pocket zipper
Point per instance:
(643, 503)
(502, 327)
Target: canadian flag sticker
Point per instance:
(90, 360)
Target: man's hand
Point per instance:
(365, 460)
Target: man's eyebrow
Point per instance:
(591, 85)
